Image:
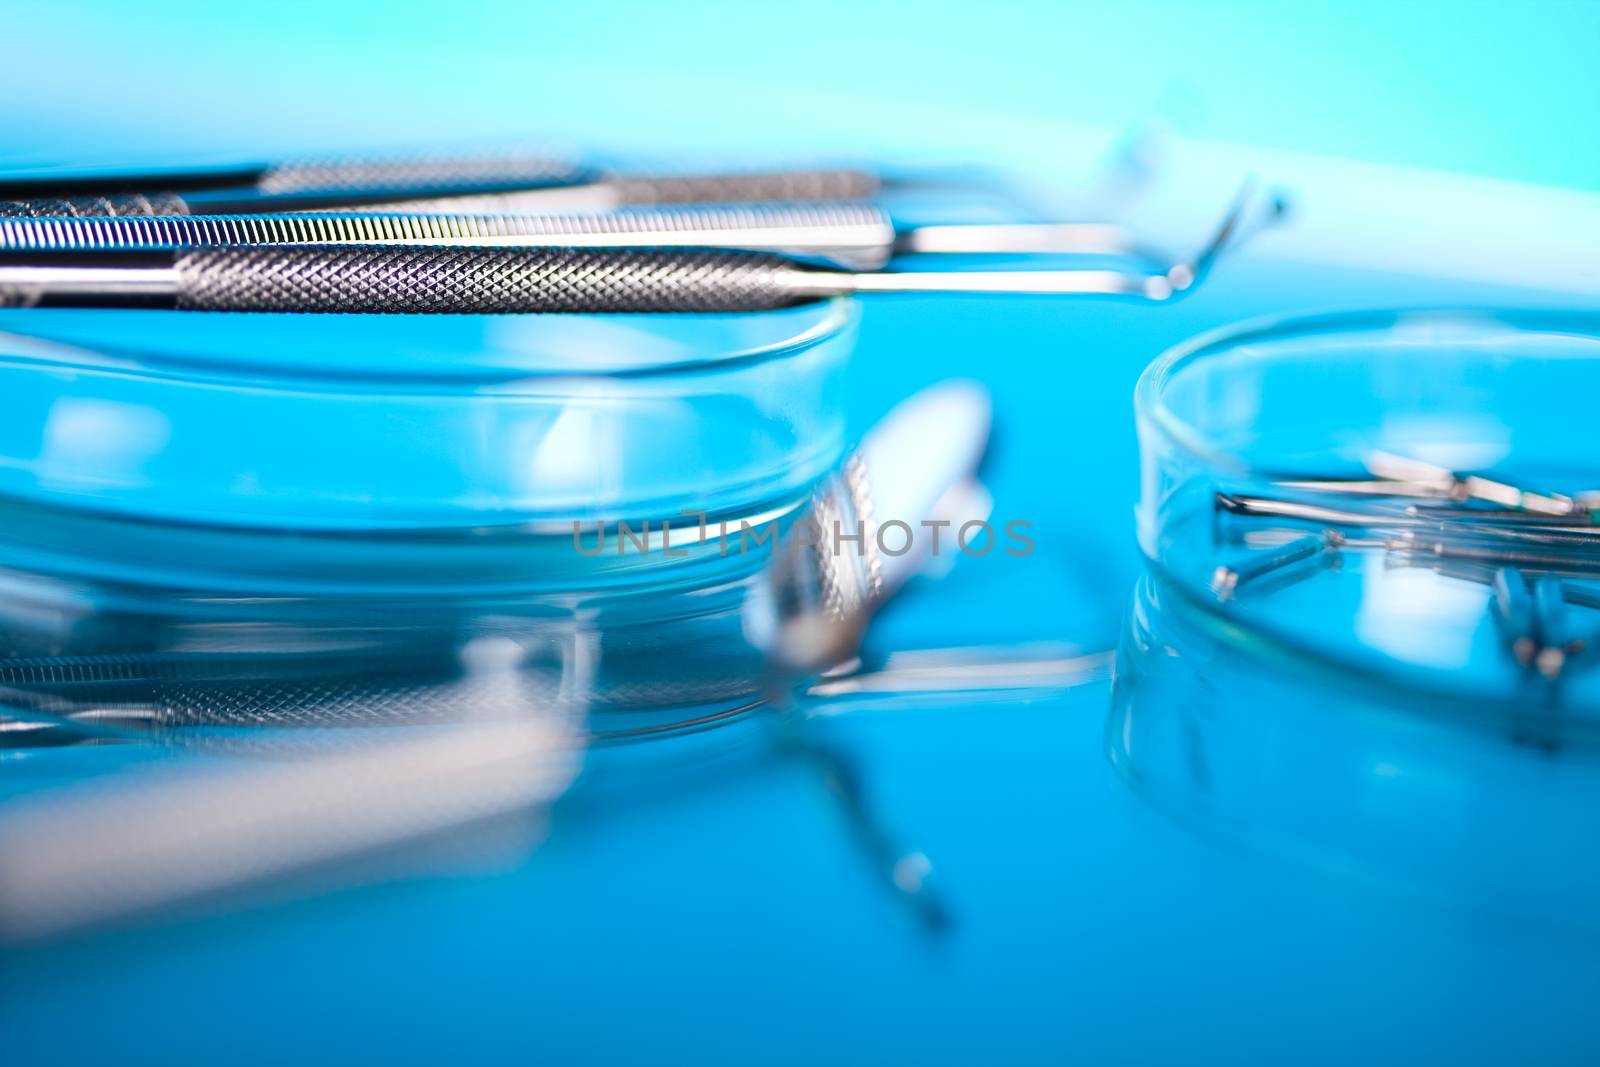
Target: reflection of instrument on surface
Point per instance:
(507, 741)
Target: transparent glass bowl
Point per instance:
(1259, 413)
(1353, 697)
(369, 421)
(257, 502)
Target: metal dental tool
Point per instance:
(493, 184)
(918, 466)
(1534, 624)
(1452, 551)
(855, 236)
(535, 181)
(1401, 476)
(1227, 579)
(444, 280)
(1514, 612)
(1550, 617)
(1534, 620)
(1454, 529)
(1524, 549)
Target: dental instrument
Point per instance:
(431, 183)
(472, 280)
(855, 236)
(1523, 545)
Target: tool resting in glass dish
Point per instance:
(1538, 551)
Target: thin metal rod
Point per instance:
(584, 198)
(385, 174)
(1247, 215)
(91, 281)
(1013, 282)
(1467, 486)
(1276, 508)
(1550, 624)
(448, 186)
(1513, 609)
(1458, 522)
(1038, 238)
(1407, 477)
(410, 278)
(853, 235)
(1227, 579)
(1535, 625)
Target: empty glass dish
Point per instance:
(255, 506)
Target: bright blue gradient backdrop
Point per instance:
(730, 919)
(1468, 86)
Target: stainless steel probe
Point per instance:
(853, 235)
(474, 280)
(435, 183)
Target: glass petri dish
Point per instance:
(206, 511)
(1341, 516)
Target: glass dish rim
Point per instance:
(1149, 392)
(837, 315)
(1372, 682)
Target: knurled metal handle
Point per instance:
(431, 280)
(457, 186)
(116, 205)
(773, 186)
(286, 184)
(382, 175)
(857, 235)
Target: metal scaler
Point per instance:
(848, 234)
(426, 279)
(490, 184)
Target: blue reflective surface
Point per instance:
(723, 914)
(728, 911)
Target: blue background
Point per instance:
(1473, 87)
(728, 917)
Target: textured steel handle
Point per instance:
(430, 280)
(858, 235)
(116, 205)
(490, 186)
(384, 175)
(774, 186)
(302, 183)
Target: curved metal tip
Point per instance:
(1252, 211)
